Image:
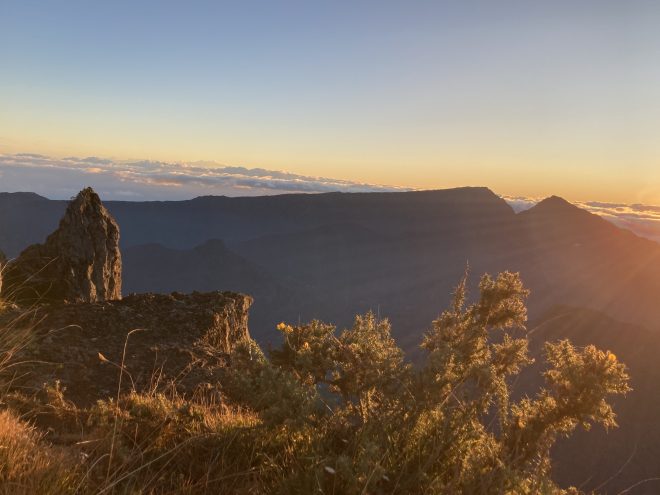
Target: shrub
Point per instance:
(330, 412)
(449, 426)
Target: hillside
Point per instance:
(616, 459)
(585, 260)
(208, 267)
(186, 224)
(339, 254)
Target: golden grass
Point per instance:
(28, 465)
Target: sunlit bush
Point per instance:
(449, 426)
(335, 412)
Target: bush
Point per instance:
(449, 426)
(339, 413)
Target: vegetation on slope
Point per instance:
(331, 412)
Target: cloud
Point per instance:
(59, 178)
(62, 178)
(643, 220)
(520, 203)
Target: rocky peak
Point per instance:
(79, 262)
(554, 204)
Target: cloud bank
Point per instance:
(60, 178)
(643, 220)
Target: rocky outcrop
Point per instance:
(86, 337)
(170, 340)
(79, 262)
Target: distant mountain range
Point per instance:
(330, 256)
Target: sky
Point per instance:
(529, 98)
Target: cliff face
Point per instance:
(179, 340)
(79, 262)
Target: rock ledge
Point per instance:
(181, 340)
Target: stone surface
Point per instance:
(180, 340)
(79, 262)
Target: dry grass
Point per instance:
(149, 443)
(28, 465)
(160, 444)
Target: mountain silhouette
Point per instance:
(337, 254)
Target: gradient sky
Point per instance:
(527, 97)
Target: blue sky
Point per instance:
(528, 98)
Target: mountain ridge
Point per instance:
(349, 252)
(332, 256)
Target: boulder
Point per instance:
(79, 262)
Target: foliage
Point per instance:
(450, 426)
(343, 413)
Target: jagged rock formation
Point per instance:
(79, 262)
(182, 340)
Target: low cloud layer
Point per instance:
(60, 178)
(643, 220)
